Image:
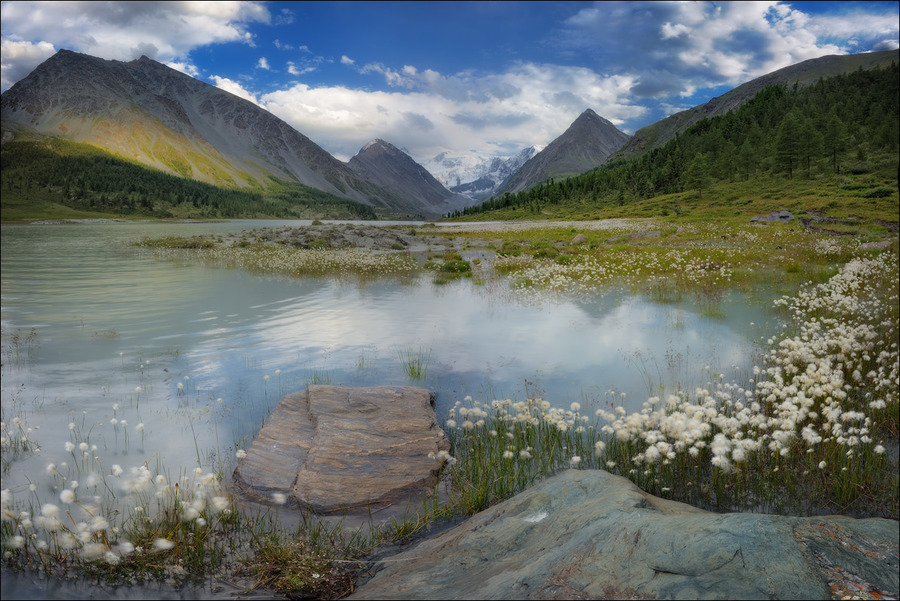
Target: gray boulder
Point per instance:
(780, 216)
(590, 534)
(335, 448)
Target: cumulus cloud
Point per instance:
(20, 59)
(186, 68)
(263, 64)
(495, 113)
(862, 27)
(223, 83)
(674, 48)
(163, 31)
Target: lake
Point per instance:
(175, 365)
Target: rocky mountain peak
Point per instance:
(380, 146)
(587, 143)
(170, 121)
(393, 169)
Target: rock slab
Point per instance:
(779, 216)
(334, 448)
(590, 534)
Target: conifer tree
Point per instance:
(697, 176)
(787, 145)
(835, 138)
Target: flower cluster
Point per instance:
(93, 527)
(817, 414)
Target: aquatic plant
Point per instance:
(415, 362)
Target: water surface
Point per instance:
(96, 331)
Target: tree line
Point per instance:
(83, 177)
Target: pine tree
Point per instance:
(835, 138)
(787, 144)
(810, 144)
(697, 175)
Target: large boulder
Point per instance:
(590, 534)
(334, 448)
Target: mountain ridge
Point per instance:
(587, 143)
(802, 73)
(145, 111)
(410, 183)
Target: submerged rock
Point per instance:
(334, 448)
(590, 534)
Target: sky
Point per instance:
(465, 78)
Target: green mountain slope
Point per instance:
(58, 178)
(841, 133)
(802, 74)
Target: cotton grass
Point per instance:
(806, 433)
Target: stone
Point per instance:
(589, 534)
(578, 239)
(882, 245)
(780, 216)
(335, 448)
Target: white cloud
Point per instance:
(695, 45)
(430, 113)
(346, 60)
(186, 68)
(164, 31)
(669, 30)
(223, 83)
(20, 58)
(263, 64)
(864, 26)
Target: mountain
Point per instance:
(408, 183)
(162, 118)
(803, 74)
(588, 143)
(477, 177)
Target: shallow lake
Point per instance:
(102, 334)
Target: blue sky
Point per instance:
(467, 78)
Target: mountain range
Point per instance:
(477, 177)
(151, 114)
(162, 118)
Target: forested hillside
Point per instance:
(843, 124)
(42, 173)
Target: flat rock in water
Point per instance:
(590, 534)
(333, 447)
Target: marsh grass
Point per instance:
(317, 560)
(415, 362)
(315, 377)
(268, 257)
(18, 345)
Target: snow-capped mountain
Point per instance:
(476, 176)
